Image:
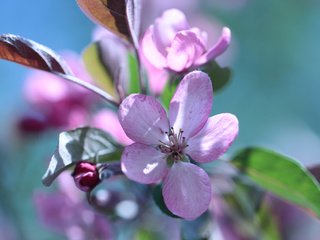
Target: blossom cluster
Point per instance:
(148, 162)
(159, 144)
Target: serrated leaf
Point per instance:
(220, 76)
(121, 17)
(158, 198)
(280, 175)
(31, 54)
(81, 144)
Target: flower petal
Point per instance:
(109, 122)
(222, 44)
(157, 77)
(187, 190)
(150, 51)
(166, 27)
(143, 119)
(214, 138)
(191, 104)
(185, 49)
(143, 163)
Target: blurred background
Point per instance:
(274, 90)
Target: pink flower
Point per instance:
(164, 145)
(171, 44)
(61, 103)
(86, 176)
(108, 121)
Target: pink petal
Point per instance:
(41, 93)
(185, 49)
(203, 36)
(187, 190)
(143, 163)
(150, 51)
(109, 122)
(191, 104)
(214, 138)
(143, 119)
(157, 77)
(222, 44)
(166, 27)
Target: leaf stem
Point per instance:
(90, 87)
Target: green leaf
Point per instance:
(168, 92)
(95, 66)
(158, 198)
(146, 234)
(81, 144)
(134, 85)
(220, 76)
(280, 175)
(268, 223)
(113, 66)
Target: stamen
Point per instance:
(175, 145)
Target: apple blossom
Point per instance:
(163, 145)
(171, 44)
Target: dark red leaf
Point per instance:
(315, 171)
(31, 54)
(121, 17)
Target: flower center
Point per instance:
(175, 145)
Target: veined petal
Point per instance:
(191, 104)
(143, 163)
(143, 119)
(222, 44)
(185, 49)
(150, 51)
(187, 190)
(214, 138)
(166, 27)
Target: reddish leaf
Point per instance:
(31, 54)
(119, 16)
(315, 171)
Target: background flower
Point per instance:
(66, 212)
(170, 44)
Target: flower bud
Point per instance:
(86, 176)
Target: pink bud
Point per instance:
(86, 176)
